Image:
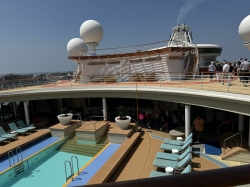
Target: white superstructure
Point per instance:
(178, 55)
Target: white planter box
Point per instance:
(123, 124)
(65, 120)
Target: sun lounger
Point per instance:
(3, 134)
(2, 139)
(21, 124)
(153, 173)
(176, 142)
(14, 129)
(161, 163)
(169, 147)
(174, 157)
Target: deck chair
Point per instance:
(169, 147)
(21, 124)
(174, 157)
(2, 139)
(176, 142)
(161, 163)
(3, 134)
(153, 173)
(14, 129)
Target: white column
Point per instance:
(241, 123)
(104, 109)
(249, 133)
(187, 120)
(13, 104)
(26, 110)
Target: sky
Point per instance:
(34, 33)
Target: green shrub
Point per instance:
(65, 111)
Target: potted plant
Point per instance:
(122, 120)
(66, 117)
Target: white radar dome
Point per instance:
(244, 31)
(77, 47)
(91, 31)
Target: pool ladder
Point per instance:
(71, 165)
(19, 168)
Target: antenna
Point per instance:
(91, 32)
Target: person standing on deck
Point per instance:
(225, 73)
(244, 68)
(218, 69)
(211, 70)
(198, 125)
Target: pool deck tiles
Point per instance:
(87, 173)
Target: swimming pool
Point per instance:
(49, 171)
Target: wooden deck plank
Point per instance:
(22, 141)
(139, 162)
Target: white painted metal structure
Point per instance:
(171, 56)
(187, 120)
(26, 110)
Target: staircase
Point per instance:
(233, 150)
(78, 76)
(192, 64)
(19, 168)
(71, 146)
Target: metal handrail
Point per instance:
(72, 166)
(35, 83)
(92, 123)
(71, 173)
(224, 142)
(79, 118)
(20, 151)
(223, 124)
(10, 152)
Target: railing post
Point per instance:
(179, 80)
(202, 81)
(21, 85)
(224, 147)
(38, 84)
(228, 83)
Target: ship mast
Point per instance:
(180, 36)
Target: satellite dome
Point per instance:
(244, 31)
(91, 31)
(77, 47)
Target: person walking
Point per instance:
(225, 73)
(198, 125)
(218, 69)
(211, 70)
(244, 69)
(166, 118)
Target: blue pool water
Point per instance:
(49, 172)
(28, 150)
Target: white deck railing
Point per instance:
(176, 80)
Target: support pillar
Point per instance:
(13, 105)
(187, 120)
(104, 109)
(249, 133)
(26, 110)
(241, 123)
